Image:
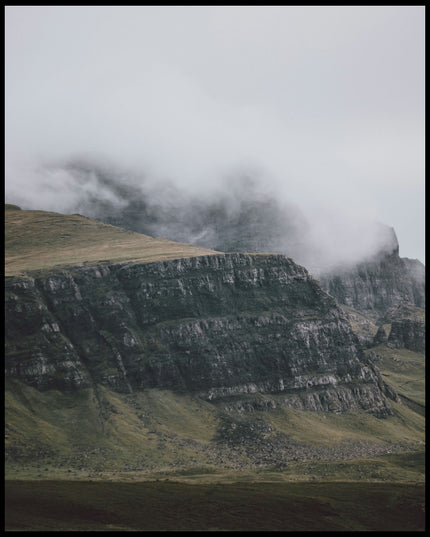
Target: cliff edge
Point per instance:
(220, 326)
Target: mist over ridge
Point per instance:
(169, 108)
(241, 212)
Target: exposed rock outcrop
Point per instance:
(409, 334)
(223, 326)
(380, 336)
(407, 327)
(373, 286)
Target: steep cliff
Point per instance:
(379, 283)
(405, 327)
(220, 326)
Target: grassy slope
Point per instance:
(37, 240)
(404, 369)
(105, 461)
(106, 435)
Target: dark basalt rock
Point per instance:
(408, 333)
(224, 327)
(378, 284)
(407, 327)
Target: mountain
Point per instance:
(124, 351)
(220, 326)
(217, 325)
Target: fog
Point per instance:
(307, 123)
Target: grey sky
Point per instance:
(327, 102)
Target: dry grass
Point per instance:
(37, 240)
(404, 370)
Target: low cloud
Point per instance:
(243, 213)
(168, 109)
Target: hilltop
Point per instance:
(41, 240)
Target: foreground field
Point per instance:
(77, 505)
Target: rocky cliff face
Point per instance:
(408, 334)
(406, 328)
(378, 284)
(223, 326)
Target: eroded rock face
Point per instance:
(376, 285)
(407, 327)
(225, 327)
(409, 334)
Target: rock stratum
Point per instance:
(225, 327)
(377, 284)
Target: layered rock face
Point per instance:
(223, 326)
(406, 328)
(385, 281)
(408, 334)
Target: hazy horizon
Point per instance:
(322, 106)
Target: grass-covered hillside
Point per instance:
(99, 434)
(36, 240)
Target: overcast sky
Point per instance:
(326, 103)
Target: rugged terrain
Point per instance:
(383, 281)
(241, 333)
(129, 357)
(220, 326)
